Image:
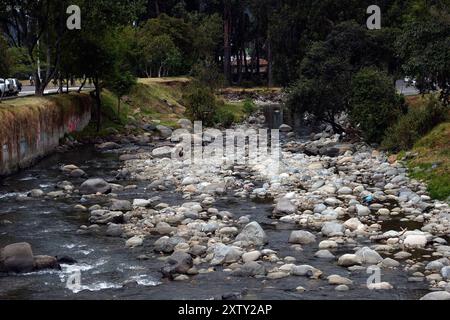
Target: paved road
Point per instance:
(404, 88)
(30, 90)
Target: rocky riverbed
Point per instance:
(338, 221)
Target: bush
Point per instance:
(201, 104)
(224, 118)
(249, 106)
(414, 125)
(374, 103)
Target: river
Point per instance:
(111, 271)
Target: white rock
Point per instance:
(415, 241)
(380, 286)
(440, 295)
(251, 256)
(302, 237)
(134, 242)
(348, 260)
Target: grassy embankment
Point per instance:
(430, 160)
(154, 100)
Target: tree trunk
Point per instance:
(270, 66)
(98, 101)
(82, 84)
(226, 41)
(157, 11)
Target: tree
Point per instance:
(374, 103)
(201, 104)
(161, 55)
(6, 61)
(424, 46)
(121, 85)
(328, 68)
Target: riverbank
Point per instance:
(31, 128)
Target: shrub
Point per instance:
(374, 103)
(224, 118)
(414, 125)
(200, 102)
(249, 106)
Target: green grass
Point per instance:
(432, 163)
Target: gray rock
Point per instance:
(17, 258)
(46, 263)
(369, 256)
(306, 271)
(78, 173)
(108, 146)
(253, 234)
(93, 186)
(345, 191)
(105, 217)
(163, 152)
(325, 254)
(250, 269)
(167, 245)
(348, 260)
(446, 272)
(390, 263)
(134, 242)
(284, 206)
(302, 237)
(362, 210)
(121, 205)
(178, 263)
(114, 230)
(36, 193)
(331, 229)
(435, 296)
(339, 280)
(285, 128)
(185, 123)
(434, 266)
(225, 254)
(164, 131)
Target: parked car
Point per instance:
(15, 87)
(3, 87)
(10, 87)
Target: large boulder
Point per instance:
(302, 237)
(17, 258)
(435, 296)
(121, 205)
(163, 152)
(225, 254)
(46, 262)
(369, 256)
(333, 228)
(284, 207)
(94, 186)
(253, 234)
(415, 241)
(178, 263)
(164, 131)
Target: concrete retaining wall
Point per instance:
(27, 135)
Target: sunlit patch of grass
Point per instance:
(432, 163)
